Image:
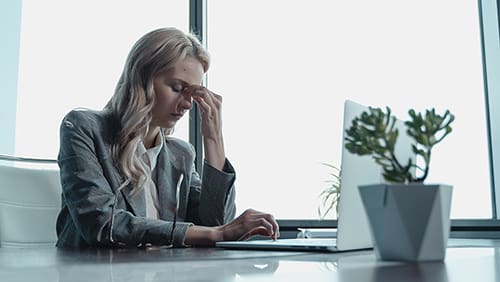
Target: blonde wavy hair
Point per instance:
(134, 96)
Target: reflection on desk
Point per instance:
(466, 260)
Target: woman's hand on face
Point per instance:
(209, 105)
(250, 223)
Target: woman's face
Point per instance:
(172, 99)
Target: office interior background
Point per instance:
(284, 69)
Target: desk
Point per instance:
(466, 260)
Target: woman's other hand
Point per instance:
(250, 223)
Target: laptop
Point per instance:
(353, 231)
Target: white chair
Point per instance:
(30, 199)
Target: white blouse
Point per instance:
(150, 157)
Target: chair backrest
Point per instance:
(30, 199)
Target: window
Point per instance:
(285, 68)
(72, 54)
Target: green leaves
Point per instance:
(331, 195)
(428, 131)
(374, 133)
(371, 132)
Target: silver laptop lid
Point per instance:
(353, 231)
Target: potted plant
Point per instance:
(409, 219)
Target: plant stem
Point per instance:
(427, 164)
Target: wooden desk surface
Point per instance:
(466, 260)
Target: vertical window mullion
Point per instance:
(196, 25)
(489, 16)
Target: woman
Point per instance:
(125, 182)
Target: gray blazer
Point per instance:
(94, 214)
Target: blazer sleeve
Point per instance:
(89, 197)
(212, 198)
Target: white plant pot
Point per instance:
(408, 222)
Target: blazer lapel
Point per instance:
(171, 163)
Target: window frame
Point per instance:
(197, 25)
(490, 38)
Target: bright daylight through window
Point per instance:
(81, 47)
(285, 76)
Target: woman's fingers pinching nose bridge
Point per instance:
(193, 91)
